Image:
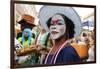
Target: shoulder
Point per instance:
(20, 38)
(69, 50)
(69, 55)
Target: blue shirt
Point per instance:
(67, 55)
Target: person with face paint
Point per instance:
(63, 23)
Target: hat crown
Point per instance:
(28, 18)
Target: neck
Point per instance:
(58, 42)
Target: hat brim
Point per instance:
(22, 21)
(47, 12)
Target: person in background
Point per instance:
(41, 41)
(42, 37)
(85, 38)
(63, 23)
(36, 31)
(26, 40)
(27, 21)
(91, 50)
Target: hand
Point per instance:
(33, 46)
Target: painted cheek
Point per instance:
(62, 29)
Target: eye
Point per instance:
(60, 24)
(26, 32)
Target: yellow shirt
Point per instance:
(26, 43)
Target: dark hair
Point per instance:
(84, 34)
(69, 26)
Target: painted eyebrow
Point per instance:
(56, 21)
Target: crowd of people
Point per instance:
(85, 44)
(35, 45)
(31, 36)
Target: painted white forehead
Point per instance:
(57, 16)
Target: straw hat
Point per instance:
(47, 12)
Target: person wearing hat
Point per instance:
(26, 37)
(63, 23)
(27, 21)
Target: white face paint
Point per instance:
(57, 26)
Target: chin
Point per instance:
(54, 37)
